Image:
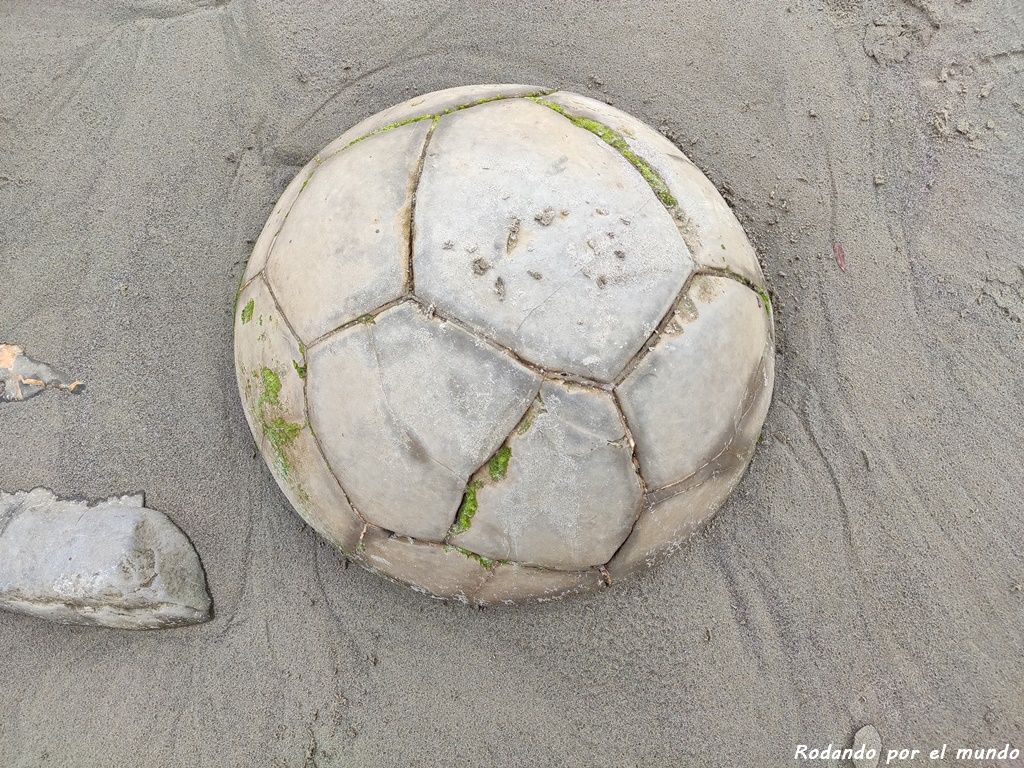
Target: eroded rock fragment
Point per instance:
(21, 377)
(111, 564)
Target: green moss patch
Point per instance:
(247, 311)
(469, 506)
(485, 562)
(278, 431)
(384, 128)
(281, 432)
(271, 387)
(498, 465)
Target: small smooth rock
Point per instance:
(869, 738)
(114, 564)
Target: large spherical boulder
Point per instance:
(501, 343)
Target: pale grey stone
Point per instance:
(435, 569)
(570, 494)
(672, 517)
(434, 103)
(113, 564)
(493, 176)
(513, 583)
(21, 377)
(539, 236)
(270, 367)
(407, 408)
(709, 226)
(688, 394)
(674, 514)
(344, 248)
(265, 242)
(868, 738)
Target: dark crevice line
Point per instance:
(277, 306)
(479, 470)
(242, 288)
(762, 293)
(242, 282)
(305, 406)
(284, 220)
(640, 479)
(490, 574)
(366, 317)
(410, 272)
(656, 334)
(560, 376)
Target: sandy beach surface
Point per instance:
(868, 570)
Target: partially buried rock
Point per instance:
(111, 564)
(867, 747)
(21, 377)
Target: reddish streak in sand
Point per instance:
(837, 251)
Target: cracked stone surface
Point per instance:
(714, 236)
(113, 564)
(268, 361)
(513, 583)
(344, 248)
(461, 342)
(433, 103)
(570, 494)
(674, 514)
(440, 571)
(21, 377)
(671, 517)
(537, 233)
(687, 397)
(407, 408)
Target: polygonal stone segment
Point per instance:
(265, 242)
(114, 564)
(344, 248)
(537, 233)
(407, 407)
(570, 493)
(674, 515)
(268, 359)
(436, 569)
(513, 583)
(688, 396)
(420, 107)
(714, 236)
(271, 369)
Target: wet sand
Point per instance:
(869, 569)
